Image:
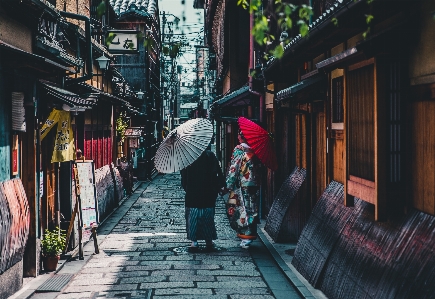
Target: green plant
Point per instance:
(287, 14)
(53, 242)
(121, 126)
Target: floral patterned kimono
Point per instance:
(243, 182)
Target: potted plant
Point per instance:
(52, 245)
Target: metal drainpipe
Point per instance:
(251, 65)
(261, 103)
(89, 74)
(251, 49)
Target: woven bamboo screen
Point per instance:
(14, 223)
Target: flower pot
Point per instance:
(50, 263)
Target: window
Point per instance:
(360, 107)
(337, 100)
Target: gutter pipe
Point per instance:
(89, 73)
(252, 66)
(260, 95)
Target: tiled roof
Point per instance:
(66, 96)
(236, 94)
(110, 97)
(124, 6)
(339, 5)
(288, 92)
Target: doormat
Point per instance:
(55, 283)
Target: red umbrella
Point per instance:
(260, 141)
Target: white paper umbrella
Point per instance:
(183, 145)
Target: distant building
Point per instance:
(185, 109)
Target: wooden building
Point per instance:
(47, 64)
(142, 72)
(232, 49)
(352, 105)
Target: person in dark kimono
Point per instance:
(202, 181)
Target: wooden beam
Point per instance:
(348, 199)
(361, 191)
(380, 139)
(362, 181)
(361, 64)
(31, 254)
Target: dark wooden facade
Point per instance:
(363, 133)
(142, 73)
(228, 35)
(37, 75)
(353, 108)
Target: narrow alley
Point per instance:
(143, 254)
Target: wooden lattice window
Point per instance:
(394, 97)
(337, 100)
(361, 122)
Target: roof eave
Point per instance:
(316, 28)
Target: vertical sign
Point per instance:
(41, 184)
(86, 179)
(15, 154)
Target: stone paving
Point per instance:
(144, 255)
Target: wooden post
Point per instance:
(380, 139)
(79, 208)
(71, 225)
(30, 152)
(349, 200)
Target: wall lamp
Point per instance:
(103, 63)
(140, 94)
(74, 109)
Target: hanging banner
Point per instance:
(49, 123)
(64, 149)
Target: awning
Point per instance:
(107, 96)
(69, 98)
(238, 97)
(336, 60)
(292, 90)
(34, 57)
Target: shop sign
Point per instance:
(122, 41)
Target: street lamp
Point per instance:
(103, 63)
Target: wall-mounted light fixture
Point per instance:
(140, 94)
(103, 63)
(74, 109)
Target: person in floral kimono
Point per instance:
(243, 184)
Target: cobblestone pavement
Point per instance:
(145, 255)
